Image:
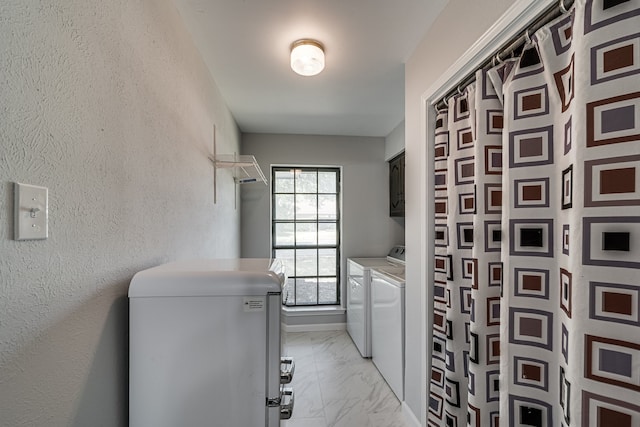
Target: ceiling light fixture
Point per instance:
(307, 57)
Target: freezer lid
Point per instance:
(210, 277)
(369, 262)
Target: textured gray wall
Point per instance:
(108, 104)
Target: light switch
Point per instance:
(31, 212)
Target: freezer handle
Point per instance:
(287, 368)
(286, 403)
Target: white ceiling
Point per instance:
(246, 44)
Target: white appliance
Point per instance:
(387, 325)
(359, 296)
(205, 345)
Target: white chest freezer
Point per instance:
(205, 345)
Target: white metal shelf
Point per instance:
(245, 167)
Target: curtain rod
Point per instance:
(508, 48)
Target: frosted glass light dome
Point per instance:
(307, 57)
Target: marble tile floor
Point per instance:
(335, 387)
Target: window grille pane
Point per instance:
(306, 291)
(287, 256)
(285, 234)
(306, 234)
(284, 208)
(307, 182)
(327, 262)
(327, 206)
(306, 207)
(327, 182)
(289, 292)
(327, 233)
(327, 290)
(284, 181)
(306, 262)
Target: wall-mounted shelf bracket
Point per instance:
(245, 167)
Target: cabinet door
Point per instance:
(396, 186)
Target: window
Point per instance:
(305, 222)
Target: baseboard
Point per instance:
(409, 416)
(315, 328)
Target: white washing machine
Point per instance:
(359, 296)
(387, 325)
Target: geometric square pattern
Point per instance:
(602, 234)
(565, 395)
(492, 236)
(614, 120)
(493, 349)
(565, 291)
(599, 14)
(564, 84)
(452, 391)
(565, 239)
(465, 235)
(567, 187)
(493, 386)
(531, 193)
(615, 59)
(439, 321)
(531, 327)
(524, 411)
(614, 302)
(531, 237)
(612, 361)
(464, 138)
(529, 372)
(570, 120)
(493, 198)
(464, 170)
(531, 147)
(564, 341)
(436, 403)
(495, 274)
(495, 122)
(440, 179)
(493, 160)
(532, 283)
(442, 264)
(612, 182)
(474, 417)
(469, 269)
(440, 291)
(467, 203)
(568, 135)
(562, 34)
(441, 236)
(441, 206)
(493, 311)
(605, 411)
(437, 377)
(531, 102)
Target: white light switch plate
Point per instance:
(31, 212)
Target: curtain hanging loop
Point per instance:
(527, 37)
(563, 8)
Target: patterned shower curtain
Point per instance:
(537, 235)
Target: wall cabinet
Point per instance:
(396, 186)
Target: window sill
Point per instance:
(312, 310)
